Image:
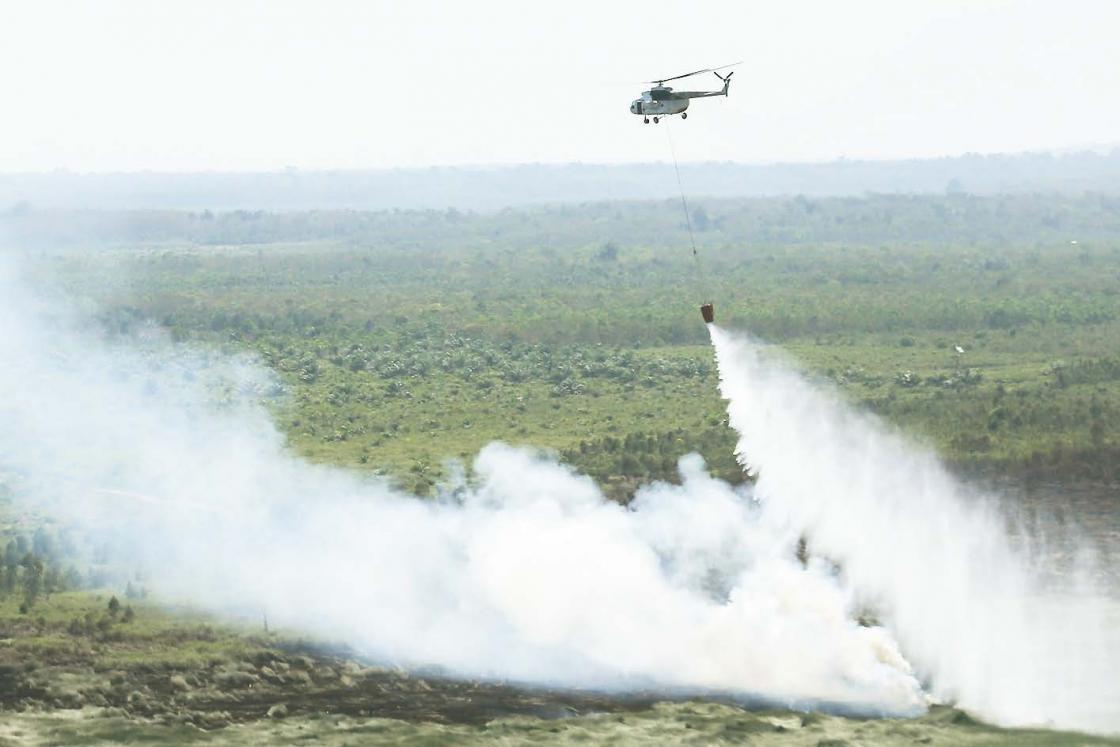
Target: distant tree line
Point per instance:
(495, 188)
(614, 225)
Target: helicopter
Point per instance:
(661, 100)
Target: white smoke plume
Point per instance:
(524, 572)
(933, 558)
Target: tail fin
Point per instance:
(726, 80)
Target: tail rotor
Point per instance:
(726, 80)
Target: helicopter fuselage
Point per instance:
(658, 105)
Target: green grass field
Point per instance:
(419, 337)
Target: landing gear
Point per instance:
(656, 120)
(646, 120)
(684, 115)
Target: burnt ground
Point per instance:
(292, 694)
(270, 681)
(178, 679)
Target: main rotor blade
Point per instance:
(688, 75)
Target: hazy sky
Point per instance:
(200, 85)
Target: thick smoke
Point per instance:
(524, 571)
(933, 558)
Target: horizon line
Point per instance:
(1097, 149)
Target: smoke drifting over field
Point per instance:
(525, 571)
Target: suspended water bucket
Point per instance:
(708, 312)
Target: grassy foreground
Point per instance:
(692, 723)
(181, 678)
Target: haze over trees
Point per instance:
(497, 187)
